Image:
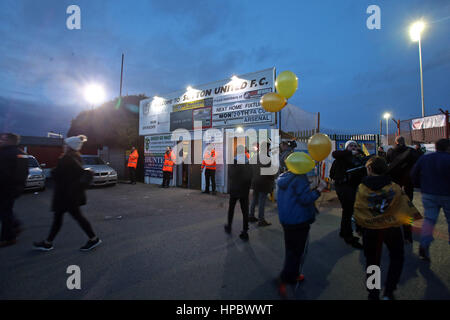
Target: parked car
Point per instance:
(103, 173)
(36, 176)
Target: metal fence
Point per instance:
(306, 134)
(429, 135)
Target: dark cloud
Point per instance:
(34, 118)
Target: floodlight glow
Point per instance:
(387, 115)
(189, 88)
(94, 94)
(157, 105)
(239, 129)
(416, 30)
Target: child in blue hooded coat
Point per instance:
(296, 212)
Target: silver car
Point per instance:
(103, 174)
(36, 176)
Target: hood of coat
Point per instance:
(285, 179)
(376, 182)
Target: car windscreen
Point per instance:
(32, 163)
(92, 161)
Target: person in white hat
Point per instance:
(69, 194)
(346, 184)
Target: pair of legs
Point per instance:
(432, 205)
(407, 229)
(346, 195)
(132, 174)
(166, 179)
(78, 216)
(243, 201)
(260, 198)
(373, 240)
(296, 246)
(9, 223)
(210, 176)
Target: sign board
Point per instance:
(193, 105)
(244, 112)
(204, 115)
(154, 149)
(181, 120)
(157, 115)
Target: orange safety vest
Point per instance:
(133, 159)
(168, 162)
(247, 155)
(209, 161)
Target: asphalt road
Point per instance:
(170, 244)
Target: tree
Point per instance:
(113, 124)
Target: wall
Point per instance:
(116, 159)
(45, 154)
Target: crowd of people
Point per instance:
(375, 193)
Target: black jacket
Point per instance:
(401, 159)
(240, 176)
(69, 192)
(13, 171)
(344, 161)
(261, 183)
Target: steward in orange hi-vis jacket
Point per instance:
(209, 162)
(169, 161)
(132, 164)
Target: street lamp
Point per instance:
(387, 115)
(415, 33)
(94, 94)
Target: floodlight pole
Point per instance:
(421, 76)
(121, 77)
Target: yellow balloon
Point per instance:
(319, 146)
(273, 102)
(299, 163)
(286, 84)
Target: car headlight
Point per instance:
(113, 173)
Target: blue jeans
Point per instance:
(259, 197)
(432, 204)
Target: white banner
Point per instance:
(417, 124)
(428, 122)
(154, 113)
